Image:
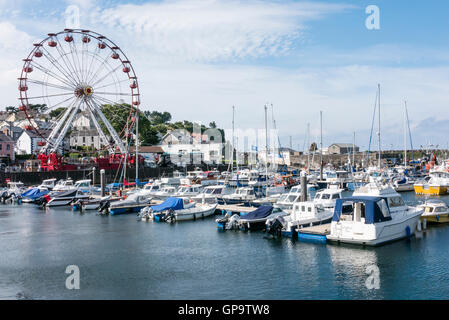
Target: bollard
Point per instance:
(93, 176)
(418, 226)
(303, 186)
(102, 181)
(424, 224)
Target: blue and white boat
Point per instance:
(133, 203)
(160, 212)
(33, 194)
(371, 220)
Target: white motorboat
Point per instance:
(286, 201)
(133, 203)
(58, 199)
(166, 210)
(304, 214)
(198, 211)
(152, 188)
(63, 185)
(210, 194)
(188, 191)
(93, 203)
(165, 192)
(435, 211)
(240, 195)
(15, 188)
(403, 184)
(327, 197)
(47, 184)
(373, 216)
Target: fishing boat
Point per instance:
(304, 214)
(436, 183)
(210, 194)
(370, 220)
(435, 211)
(240, 195)
(133, 203)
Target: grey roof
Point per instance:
(343, 145)
(5, 138)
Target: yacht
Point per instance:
(374, 215)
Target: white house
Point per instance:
(30, 142)
(185, 149)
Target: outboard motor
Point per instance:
(233, 222)
(104, 206)
(170, 216)
(275, 226)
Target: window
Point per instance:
(84, 139)
(383, 208)
(336, 196)
(1, 146)
(92, 139)
(325, 196)
(395, 202)
(440, 209)
(8, 147)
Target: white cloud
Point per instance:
(214, 30)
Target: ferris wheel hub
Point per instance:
(84, 91)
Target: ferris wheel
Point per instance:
(78, 71)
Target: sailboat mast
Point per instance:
(405, 134)
(353, 150)
(380, 162)
(233, 142)
(266, 147)
(137, 147)
(308, 146)
(321, 145)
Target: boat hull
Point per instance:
(430, 190)
(384, 233)
(442, 218)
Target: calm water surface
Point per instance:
(122, 258)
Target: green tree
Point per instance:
(57, 112)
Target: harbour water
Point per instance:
(122, 258)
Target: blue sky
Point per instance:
(197, 58)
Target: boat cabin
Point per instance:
(365, 210)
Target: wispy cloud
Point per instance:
(215, 30)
